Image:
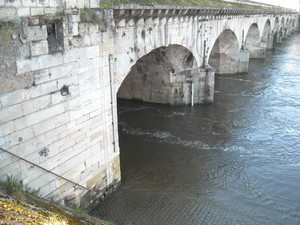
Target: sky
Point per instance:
(293, 4)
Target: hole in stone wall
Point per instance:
(55, 36)
(190, 58)
(143, 34)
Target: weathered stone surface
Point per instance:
(8, 13)
(70, 4)
(39, 48)
(36, 33)
(23, 12)
(37, 11)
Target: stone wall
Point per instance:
(56, 102)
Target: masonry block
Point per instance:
(43, 3)
(8, 13)
(6, 128)
(39, 48)
(16, 3)
(50, 60)
(2, 145)
(37, 11)
(27, 65)
(36, 33)
(20, 136)
(70, 4)
(23, 12)
(29, 3)
(93, 52)
(55, 3)
(44, 114)
(10, 113)
(50, 11)
(27, 107)
(41, 76)
(12, 98)
(74, 55)
(20, 124)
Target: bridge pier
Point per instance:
(243, 61)
(205, 84)
(201, 85)
(270, 42)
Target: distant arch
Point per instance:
(224, 55)
(276, 25)
(266, 39)
(282, 22)
(252, 41)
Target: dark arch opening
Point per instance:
(160, 77)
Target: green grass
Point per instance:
(207, 3)
(13, 186)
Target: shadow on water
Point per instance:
(236, 161)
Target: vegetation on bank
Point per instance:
(207, 3)
(19, 205)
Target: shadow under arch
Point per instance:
(225, 54)
(160, 76)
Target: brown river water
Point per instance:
(236, 161)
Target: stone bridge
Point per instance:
(64, 63)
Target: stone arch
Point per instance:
(160, 76)
(276, 25)
(281, 30)
(267, 36)
(288, 27)
(276, 37)
(252, 41)
(224, 55)
(266, 39)
(282, 22)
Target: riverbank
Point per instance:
(20, 207)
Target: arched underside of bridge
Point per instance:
(267, 38)
(225, 56)
(160, 77)
(253, 44)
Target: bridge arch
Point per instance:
(252, 41)
(266, 39)
(160, 76)
(224, 55)
(276, 36)
(282, 29)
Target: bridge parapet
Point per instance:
(204, 13)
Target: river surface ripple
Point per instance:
(236, 161)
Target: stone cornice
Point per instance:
(158, 11)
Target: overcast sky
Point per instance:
(293, 4)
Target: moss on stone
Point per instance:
(7, 28)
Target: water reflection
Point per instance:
(236, 161)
